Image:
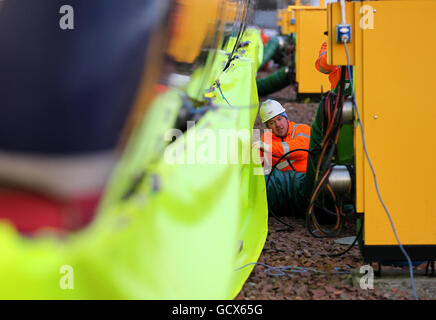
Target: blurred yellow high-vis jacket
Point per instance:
(167, 228)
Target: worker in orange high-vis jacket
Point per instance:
(285, 136)
(334, 72)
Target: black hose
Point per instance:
(351, 246)
(311, 217)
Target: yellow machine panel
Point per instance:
(186, 45)
(284, 22)
(230, 10)
(336, 56)
(287, 18)
(400, 113)
(310, 35)
(336, 53)
(309, 24)
(394, 83)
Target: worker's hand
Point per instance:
(265, 147)
(257, 145)
(261, 146)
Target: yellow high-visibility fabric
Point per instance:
(168, 227)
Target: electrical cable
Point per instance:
(330, 138)
(375, 178)
(241, 31)
(334, 118)
(280, 271)
(351, 246)
(218, 84)
(237, 108)
(310, 216)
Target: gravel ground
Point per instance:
(298, 248)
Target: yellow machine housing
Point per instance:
(392, 50)
(198, 15)
(310, 25)
(230, 11)
(286, 18)
(283, 21)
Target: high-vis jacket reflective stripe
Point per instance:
(284, 165)
(321, 65)
(274, 148)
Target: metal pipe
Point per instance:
(347, 112)
(340, 180)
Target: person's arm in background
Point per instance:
(321, 63)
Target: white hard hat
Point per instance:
(269, 109)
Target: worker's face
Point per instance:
(279, 126)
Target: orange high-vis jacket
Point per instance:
(274, 148)
(321, 65)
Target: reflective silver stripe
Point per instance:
(284, 164)
(302, 135)
(293, 130)
(265, 158)
(285, 147)
(323, 70)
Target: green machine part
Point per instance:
(274, 81)
(270, 50)
(345, 147)
(169, 224)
